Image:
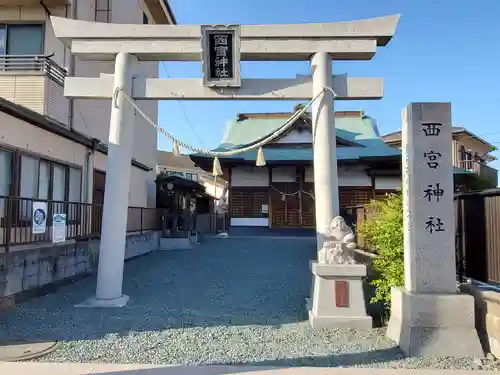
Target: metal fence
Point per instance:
(482, 170)
(478, 235)
(83, 220)
(33, 63)
(220, 222)
(477, 220)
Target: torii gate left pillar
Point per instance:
(355, 40)
(115, 210)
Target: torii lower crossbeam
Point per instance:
(299, 88)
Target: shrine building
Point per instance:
(280, 193)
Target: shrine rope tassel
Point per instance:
(175, 149)
(260, 162)
(217, 170)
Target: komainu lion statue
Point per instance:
(339, 245)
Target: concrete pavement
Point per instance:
(26, 368)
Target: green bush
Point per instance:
(383, 233)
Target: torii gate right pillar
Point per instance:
(326, 184)
(337, 298)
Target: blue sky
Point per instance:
(443, 50)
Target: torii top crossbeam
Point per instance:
(353, 40)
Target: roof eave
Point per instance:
(58, 128)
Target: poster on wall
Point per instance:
(59, 228)
(39, 217)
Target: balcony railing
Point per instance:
(34, 3)
(480, 169)
(25, 64)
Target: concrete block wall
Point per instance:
(27, 270)
(487, 314)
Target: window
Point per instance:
(192, 176)
(29, 177)
(174, 173)
(44, 180)
(20, 39)
(3, 40)
(48, 180)
(26, 39)
(5, 172)
(145, 19)
(102, 10)
(5, 177)
(38, 179)
(59, 183)
(75, 185)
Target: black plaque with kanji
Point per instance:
(220, 56)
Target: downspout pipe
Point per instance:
(89, 181)
(71, 66)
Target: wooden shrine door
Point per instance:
(293, 209)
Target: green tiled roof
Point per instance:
(457, 170)
(305, 154)
(361, 130)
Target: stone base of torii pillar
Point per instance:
(337, 299)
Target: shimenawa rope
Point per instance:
(217, 170)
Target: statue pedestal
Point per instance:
(337, 299)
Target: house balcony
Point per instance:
(31, 3)
(479, 169)
(35, 82)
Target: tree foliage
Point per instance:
(383, 233)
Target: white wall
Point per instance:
(249, 176)
(296, 137)
(347, 177)
(214, 190)
(387, 183)
(284, 174)
(92, 117)
(138, 184)
(250, 222)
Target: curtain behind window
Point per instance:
(29, 177)
(29, 185)
(44, 180)
(74, 195)
(5, 177)
(59, 188)
(25, 39)
(75, 184)
(5, 172)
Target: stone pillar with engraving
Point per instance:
(428, 316)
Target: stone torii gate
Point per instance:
(318, 43)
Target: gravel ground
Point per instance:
(233, 301)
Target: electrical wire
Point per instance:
(162, 63)
(286, 125)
